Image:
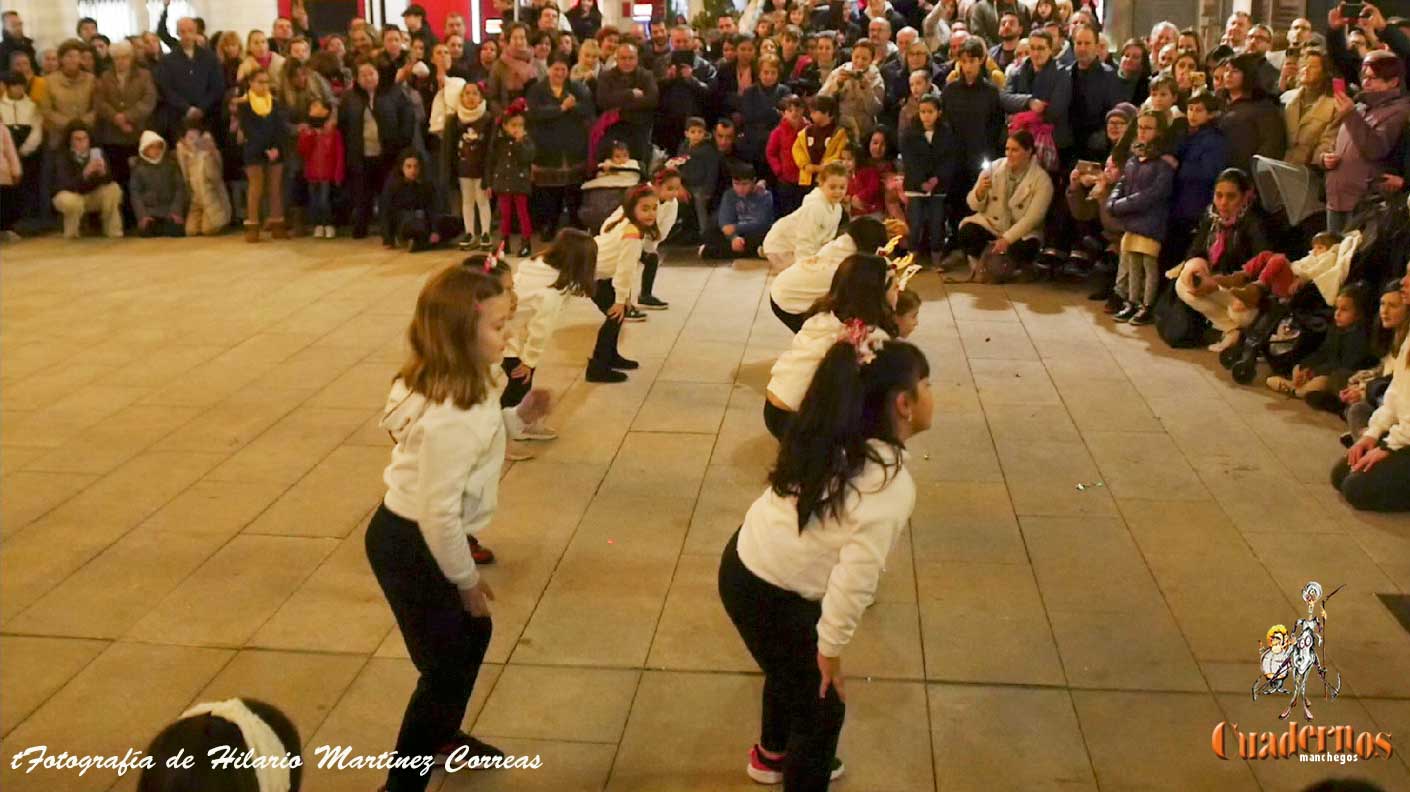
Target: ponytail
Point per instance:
(848, 404)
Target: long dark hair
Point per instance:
(858, 292)
(197, 735)
(847, 405)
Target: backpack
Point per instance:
(1179, 325)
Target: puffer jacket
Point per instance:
(511, 164)
(1202, 156)
(1140, 200)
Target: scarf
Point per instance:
(1223, 233)
(467, 115)
(261, 105)
(518, 68)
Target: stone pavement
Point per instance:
(191, 453)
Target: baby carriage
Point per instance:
(603, 195)
(1283, 334)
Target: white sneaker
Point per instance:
(330, 232)
(538, 431)
(1230, 338)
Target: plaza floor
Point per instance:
(1105, 528)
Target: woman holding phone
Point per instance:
(1371, 126)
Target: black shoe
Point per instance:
(1125, 314)
(472, 748)
(633, 315)
(1347, 440)
(468, 243)
(485, 242)
(619, 362)
(1144, 316)
(651, 303)
(604, 374)
(1114, 304)
(546, 234)
(525, 250)
(1326, 401)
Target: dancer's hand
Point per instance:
(617, 312)
(477, 599)
(1359, 450)
(831, 669)
(1369, 459)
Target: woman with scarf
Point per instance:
(264, 125)
(1229, 234)
(561, 114)
(514, 71)
(1370, 132)
(259, 55)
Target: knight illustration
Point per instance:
(1297, 654)
(1273, 652)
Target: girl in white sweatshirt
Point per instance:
(802, 233)
(863, 296)
(544, 284)
(808, 279)
(667, 183)
(619, 249)
(802, 569)
(442, 488)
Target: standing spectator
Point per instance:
(377, 122)
(1094, 92)
(478, 71)
(125, 98)
(70, 96)
(26, 127)
(1371, 130)
(189, 82)
(683, 95)
(1042, 87)
(260, 55)
(510, 166)
(1251, 121)
(589, 64)
(231, 54)
(393, 66)
(1010, 32)
(1203, 155)
(36, 86)
(760, 112)
(158, 190)
(788, 193)
(735, 78)
(512, 74)
(984, 16)
(302, 90)
(1260, 43)
(1308, 110)
(585, 18)
(264, 125)
(1133, 73)
(631, 91)
(858, 89)
(281, 36)
(13, 39)
(83, 183)
(928, 160)
(414, 17)
(971, 104)
(560, 116)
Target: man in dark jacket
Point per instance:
(683, 41)
(970, 104)
(631, 91)
(14, 40)
(376, 126)
(189, 82)
(1094, 92)
(1010, 31)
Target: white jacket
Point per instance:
(837, 561)
(809, 279)
(23, 113)
(804, 231)
(1021, 216)
(540, 306)
(1392, 418)
(666, 214)
(445, 100)
(444, 473)
(794, 370)
(619, 257)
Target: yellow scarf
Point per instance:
(261, 105)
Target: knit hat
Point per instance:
(1125, 110)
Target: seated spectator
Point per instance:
(745, 216)
(1365, 391)
(157, 190)
(209, 211)
(404, 207)
(1345, 350)
(1371, 128)
(1229, 234)
(83, 183)
(1009, 202)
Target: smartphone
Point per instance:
(1350, 11)
(494, 26)
(1339, 86)
(96, 153)
(1088, 166)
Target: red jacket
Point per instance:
(322, 152)
(865, 186)
(779, 152)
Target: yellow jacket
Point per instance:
(833, 152)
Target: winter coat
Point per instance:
(1366, 142)
(136, 98)
(859, 97)
(322, 150)
(701, 170)
(974, 112)
(205, 183)
(25, 123)
(262, 133)
(614, 92)
(1140, 200)
(1305, 130)
(473, 146)
(510, 165)
(1342, 352)
(1202, 157)
(11, 172)
(1244, 241)
(1021, 216)
(157, 189)
(682, 98)
(1094, 92)
(922, 160)
(779, 152)
(396, 124)
(68, 100)
(400, 196)
(1253, 127)
(759, 107)
(69, 175)
(560, 136)
(836, 142)
(183, 83)
(1052, 85)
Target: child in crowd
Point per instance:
(1140, 202)
(795, 290)
(545, 284)
(619, 249)
(404, 206)
(746, 212)
(20, 114)
(700, 169)
(864, 189)
(199, 156)
(779, 155)
(11, 174)
(157, 189)
(442, 488)
(1202, 155)
(907, 313)
(1163, 92)
(821, 142)
(206, 730)
(1271, 273)
(798, 575)
(814, 224)
(472, 154)
(1365, 390)
(512, 159)
(321, 148)
(920, 86)
(862, 292)
(929, 167)
(264, 125)
(1345, 350)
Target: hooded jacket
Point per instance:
(156, 186)
(804, 231)
(1140, 200)
(445, 469)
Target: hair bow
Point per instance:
(492, 259)
(517, 107)
(859, 335)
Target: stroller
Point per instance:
(1283, 334)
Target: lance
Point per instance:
(1326, 692)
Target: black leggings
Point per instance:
(514, 390)
(446, 644)
(973, 238)
(780, 629)
(776, 419)
(792, 321)
(650, 262)
(1384, 488)
(604, 352)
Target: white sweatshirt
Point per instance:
(444, 473)
(1392, 418)
(794, 370)
(540, 306)
(666, 214)
(804, 231)
(23, 112)
(809, 279)
(837, 561)
(619, 257)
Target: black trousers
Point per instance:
(973, 238)
(366, 184)
(1383, 488)
(717, 245)
(514, 390)
(548, 203)
(792, 321)
(405, 226)
(776, 419)
(605, 350)
(650, 262)
(446, 644)
(788, 197)
(780, 629)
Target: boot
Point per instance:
(251, 231)
(625, 364)
(1251, 295)
(277, 229)
(601, 372)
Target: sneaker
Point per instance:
(1114, 304)
(330, 232)
(538, 432)
(475, 748)
(1144, 316)
(700, 252)
(763, 770)
(483, 555)
(625, 364)
(633, 315)
(650, 303)
(468, 243)
(525, 250)
(1125, 314)
(1230, 338)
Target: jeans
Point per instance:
(366, 185)
(320, 203)
(779, 628)
(926, 217)
(700, 199)
(1138, 278)
(446, 644)
(1382, 488)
